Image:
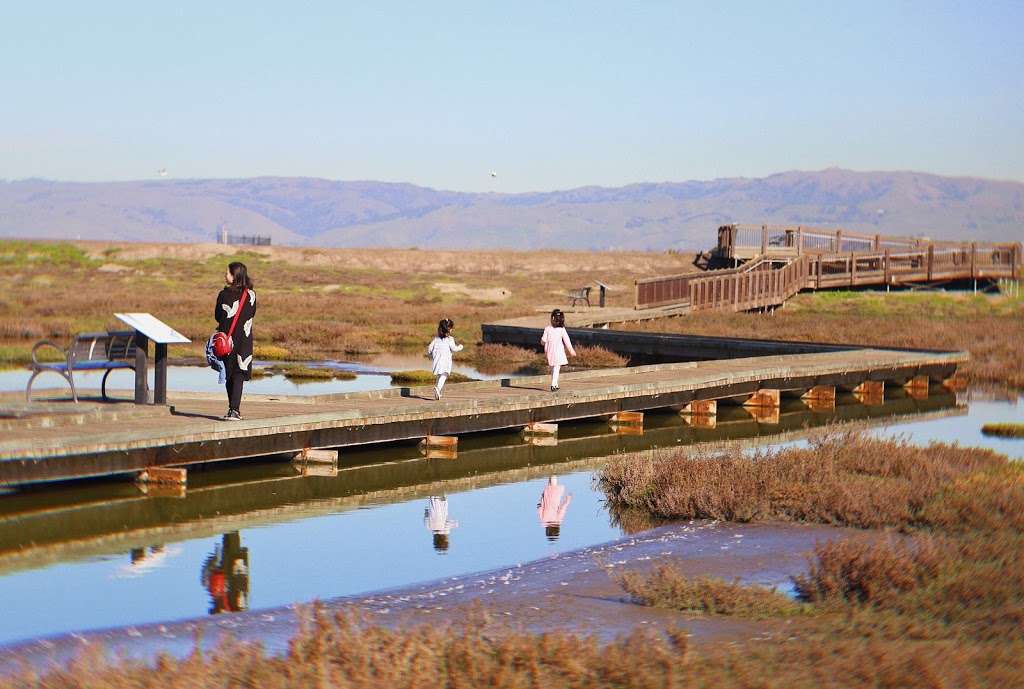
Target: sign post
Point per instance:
(149, 328)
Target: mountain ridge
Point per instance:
(643, 215)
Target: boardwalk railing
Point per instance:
(757, 288)
(788, 259)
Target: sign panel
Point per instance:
(153, 328)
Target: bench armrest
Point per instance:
(47, 343)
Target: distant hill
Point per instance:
(679, 215)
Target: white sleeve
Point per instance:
(456, 347)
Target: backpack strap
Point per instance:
(241, 304)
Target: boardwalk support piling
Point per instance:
(627, 422)
(308, 456)
(871, 392)
(700, 408)
(764, 397)
(538, 428)
(444, 442)
(820, 398)
(168, 475)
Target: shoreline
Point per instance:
(570, 591)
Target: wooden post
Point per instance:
(931, 258)
(853, 269)
(160, 374)
(440, 441)
(316, 456)
(820, 398)
(799, 240)
(765, 397)
(176, 475)
(141, 368)
(838, 239)
(700, 421)
(700, 408)
(764, 239)
(627, 417)
(871, 392)
(878, 242)
(974, 260)
(538, 428)
(886, 267)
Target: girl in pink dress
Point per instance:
(551, 509)
(556, 342)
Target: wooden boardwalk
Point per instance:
(40, 445)
(780, 261)
(85, 520)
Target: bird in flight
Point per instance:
(162, 172)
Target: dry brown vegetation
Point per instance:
(1004, 430)
(957, 574)
(665, 587)
(942, 607)
(990, 328)
(842, 478)
(313, 303)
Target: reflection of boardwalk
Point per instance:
(243, 497)
(190, 434)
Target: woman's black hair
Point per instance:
(444, 327)
(441, 542)
(239, 275)
(552, 531)
(558, 318)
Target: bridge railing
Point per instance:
(744, 241)
(742, 290)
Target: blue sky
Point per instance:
(549, 95)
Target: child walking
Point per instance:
(440, 350)
(556, 341)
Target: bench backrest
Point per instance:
(110, 346)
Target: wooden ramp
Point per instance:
(189, 431)
(780, 261)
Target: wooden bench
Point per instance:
(107, 352)
(579, 294)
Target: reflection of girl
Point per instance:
(435, 518)
(554, 502)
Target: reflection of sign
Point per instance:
(153, 328)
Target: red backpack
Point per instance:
(222, 342)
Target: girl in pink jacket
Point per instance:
(556, 342)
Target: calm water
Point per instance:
(372, 375)
(257, 535)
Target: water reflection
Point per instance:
(554, 502)
(362, 530)
(225, 575)
(435, 518)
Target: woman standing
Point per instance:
(237, 295)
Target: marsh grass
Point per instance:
(1004, 430)
(423, 377)
(841, 478)
(666, 587)
(314, 303)
(301, 372)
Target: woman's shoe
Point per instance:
(437, 394)
(554, 388)
(232, 415)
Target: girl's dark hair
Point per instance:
(444, 327)
(558, 318)
(239, 275)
